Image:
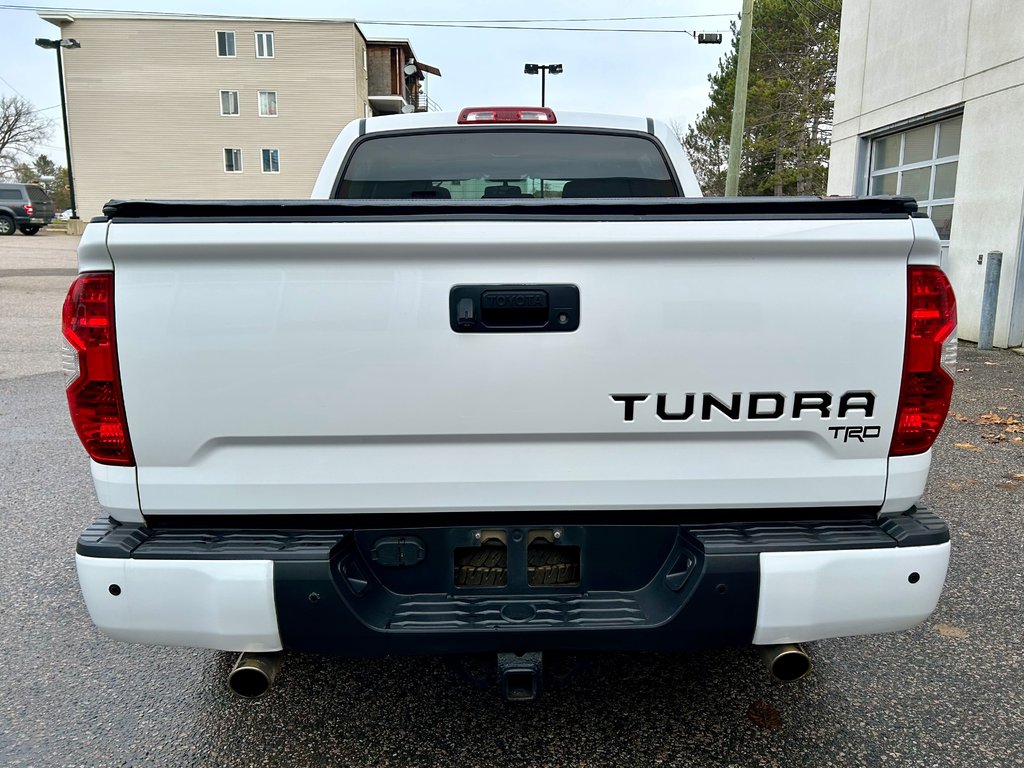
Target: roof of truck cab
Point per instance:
(330, 172)
(450, 119)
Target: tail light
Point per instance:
(507, 115)
(29, 209)
(929, 361)
(89, 363)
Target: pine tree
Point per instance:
(51, 177)
(794, 48)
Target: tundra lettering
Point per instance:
(631, 401)
(848, 402)
(811, 401)
(731, 411)
(753, 407)
(663, 413)
(760, 405)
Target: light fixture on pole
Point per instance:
(533, 69)
(708, 38)
(57, 45)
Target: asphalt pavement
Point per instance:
(947, 693)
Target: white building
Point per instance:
(929, 99)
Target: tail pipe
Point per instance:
(253, 674)
(786, 663)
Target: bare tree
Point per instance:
(678, 130)
(22, 128)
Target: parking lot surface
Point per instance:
(947, 693)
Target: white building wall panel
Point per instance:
(916, 60)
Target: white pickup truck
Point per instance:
(508, 384)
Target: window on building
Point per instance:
(364, 60)
(233, 160)
(920, 162)
(271, 161)
(268, 103)
(229, 102)
(264, 45)
(225, 43)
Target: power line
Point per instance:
(31, 111)
(807, 26)
(41, 109)
(517, 24)
(826, 9)
(13, 88)
(532, 29)
(179, 14)
(547, 21)
(813, 10)
(143, 14)
(772, 53)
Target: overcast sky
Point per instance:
(655, 74)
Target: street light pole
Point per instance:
(57, 45)
(67, 133)
(543, 69)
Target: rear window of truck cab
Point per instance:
(495, 164)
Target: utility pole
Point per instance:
(739, 104)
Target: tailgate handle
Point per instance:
(514, 308)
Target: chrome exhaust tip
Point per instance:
(786, 663)
(253, 674)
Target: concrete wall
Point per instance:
(144, 106)
(902, 63)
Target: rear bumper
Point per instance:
(659, 587)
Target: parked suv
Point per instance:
(24, 206)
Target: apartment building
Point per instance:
(175, 106)
(929, 94)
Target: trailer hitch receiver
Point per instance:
(520, 675)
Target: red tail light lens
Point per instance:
(929, 360)
(29, 209)
(89, 362)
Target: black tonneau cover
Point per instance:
(669, 208)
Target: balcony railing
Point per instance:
(426, 104)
